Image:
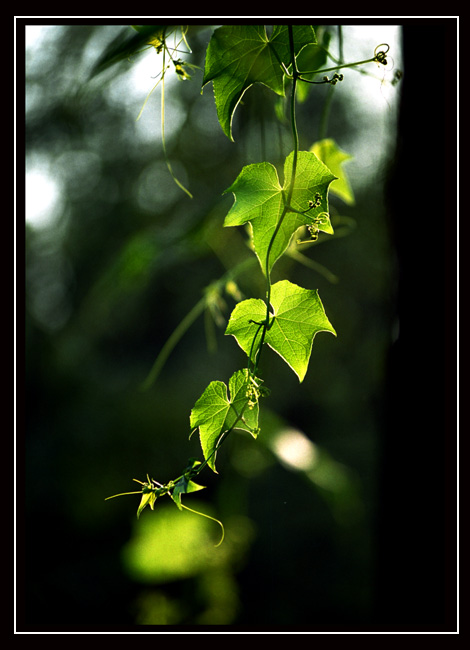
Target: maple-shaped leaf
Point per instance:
(260, 199)
(215, 412)
(333, 157)
(297, 316)
(240, 55)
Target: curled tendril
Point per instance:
(319, 220)
(313, 203)
(380, 56)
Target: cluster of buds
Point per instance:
(336, 77)
(316, 202)
(254, 391)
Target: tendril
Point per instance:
(319, 220)
(381, 56)
(325, 80)
(203, 514)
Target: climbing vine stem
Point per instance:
(287, 201)
(329, 98)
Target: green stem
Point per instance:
(340, 66)
(176, 335)
(122, 494)
(187, 321)
(290, 190)
(203, 514)
(167, 160)
(327, 106)
(266, 323)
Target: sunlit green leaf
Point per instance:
(298, 315)
(184, 486)
(260, 199)
(148, 499)
(240, 55)
(215, 412)
(328, 152)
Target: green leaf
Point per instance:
(333, 157)
(149, 497)
(258, 193)
(184, 486)
(297, 317)
(240, 55)
(215, 412)
(259, 199)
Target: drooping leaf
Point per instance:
(240, 55)
(298, 315)
(148, 499)
(328, 152)
(260, 199)
(216, 412)
(185, 484)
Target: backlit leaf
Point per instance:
(184, 486)
(148, 499)
(215, 412)
(260, 199)
(328, 152)
(298, 315)
(240, 55)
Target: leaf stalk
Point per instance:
(295, 75)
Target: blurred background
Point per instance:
(322, 512)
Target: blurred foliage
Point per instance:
(124, 258)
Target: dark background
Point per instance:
(365, 541)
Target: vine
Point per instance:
(289, 317)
